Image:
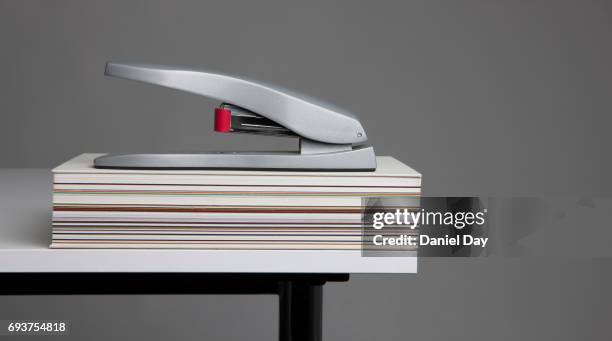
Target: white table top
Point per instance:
(25, 234)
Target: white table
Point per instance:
(25, 232)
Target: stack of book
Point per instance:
(217, 209)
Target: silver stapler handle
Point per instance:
(306, 118)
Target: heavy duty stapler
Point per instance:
(328, 137)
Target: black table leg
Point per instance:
(300, 311)
(300, 295)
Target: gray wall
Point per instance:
(495, 98)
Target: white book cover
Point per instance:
(389, 173)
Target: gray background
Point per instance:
(501, 98)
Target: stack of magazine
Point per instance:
(218, 209)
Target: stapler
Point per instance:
(328, 138)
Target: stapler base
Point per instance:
(356, 159)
